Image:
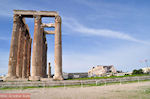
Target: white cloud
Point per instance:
(76, 26)
(124, 58)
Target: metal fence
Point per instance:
(82, 83)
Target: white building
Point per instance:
(146, 70)
(101, 70)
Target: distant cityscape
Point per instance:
(104, 71)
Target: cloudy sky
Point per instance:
(94, 32)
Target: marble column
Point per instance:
(45, 60)
(45, 70)
(20, 52)
(49, 70)
(29, 57)
(36, 52)
(43, 53)
(14, 47)
(24, 66)
(44, 66)
(58, 50)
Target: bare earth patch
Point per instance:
(125, 91)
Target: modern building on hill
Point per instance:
(101, 71)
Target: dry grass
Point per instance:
(125, 91)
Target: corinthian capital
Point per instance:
(16, 18)
(57, 19)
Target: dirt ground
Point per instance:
(124, 91)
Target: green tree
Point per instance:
(140, 71)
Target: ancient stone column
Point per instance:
(20, 53)
(43, 54)
(44, 67)
(24, 66)
(58, 50)
(45, 59)
(29, 56)
(37, 53)
(49, 70)
(45, 70)
(14, 47)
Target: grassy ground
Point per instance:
(81, 85)
(88, 78)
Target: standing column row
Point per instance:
(18, 50)
(23, 54)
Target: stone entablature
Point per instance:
(32, 13)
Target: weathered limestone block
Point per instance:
(14, 48)
(58, 50)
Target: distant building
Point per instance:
(146, 70)
(65, 75)
(2, 76)
(75, 75)
(101, 71)
(122, 74)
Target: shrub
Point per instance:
(140, 71)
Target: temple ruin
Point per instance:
(20, 50)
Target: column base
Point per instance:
(49, 77)
(46, 79)
(15, 80)
(9, 78)
(34, 78)
(58, 78)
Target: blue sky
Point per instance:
(94, 32)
